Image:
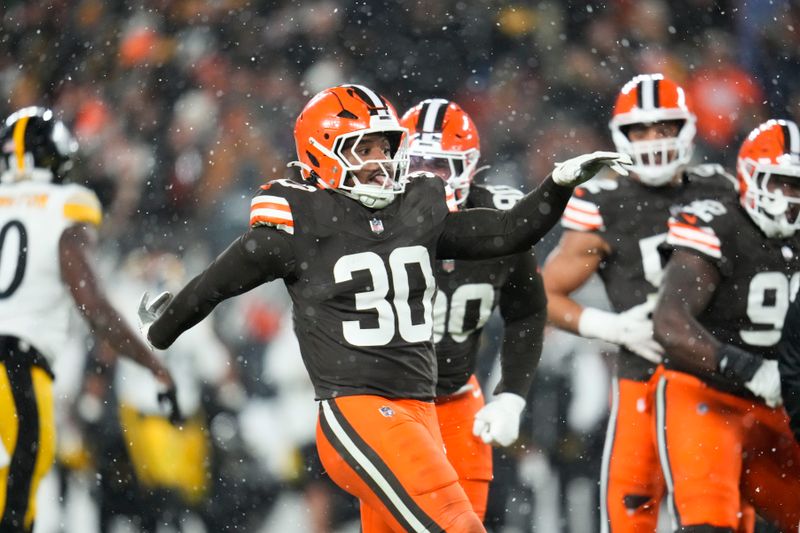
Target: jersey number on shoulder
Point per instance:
(452, 318)
(503, 196)
(395, 315)
(651, 259)
(13, 257)
(767, 302)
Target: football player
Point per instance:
(445, 142)
(789, 365)
(613, 228)
(47, 229)
(355, 246)
(734, 267)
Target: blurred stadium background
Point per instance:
(182, 108)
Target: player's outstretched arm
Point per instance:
(523, 306)
(485, 233)
(260, 255)
(789, 365)
(104, 321)
(686, 290)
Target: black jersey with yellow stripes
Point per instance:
(759, 276)
(468, 292)
(362, 285)
(632, 219)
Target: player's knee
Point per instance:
(466, 523)
(705, 528)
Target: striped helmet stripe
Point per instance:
(19, 141)
(647, 101)
(791, 137)
(432, 116)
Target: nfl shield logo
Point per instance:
(376, 225)
(448, 265)
(386, 411)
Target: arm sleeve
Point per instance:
(523, 306)
(789, 365)
(260, 255)
(485, 233)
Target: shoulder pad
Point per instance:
(692, 227)
(582, 215)
(502, 196)
(81, 205)
(716, 171)
(272, 205)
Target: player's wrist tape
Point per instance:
(736, 364)
(595, 323)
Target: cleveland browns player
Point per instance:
(355, 246)
(614, 227)
(445, 142)
(47, 229)
(734, 267)
(789, 365)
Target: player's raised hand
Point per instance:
(582, 168)
(149, 311)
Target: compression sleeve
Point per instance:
(260, 255)
(485, 233)
(523, 306)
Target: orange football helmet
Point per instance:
(646, 99)
(444, 141)
(768, 168)
(349, 113)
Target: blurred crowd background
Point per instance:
(182, 108)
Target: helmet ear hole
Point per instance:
(312, 158)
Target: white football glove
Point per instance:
(150, 311)
(766, 383)
(632, 329)
(577, 170)
(498, 421)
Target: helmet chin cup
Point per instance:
(776, 206)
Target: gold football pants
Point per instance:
(27, 439)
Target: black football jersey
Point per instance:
(632, 219)
(759, 276)
(363, 285)
(468, 292)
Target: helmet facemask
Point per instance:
(771, 195)
(656, 162)
(385, 184)
(455, 168)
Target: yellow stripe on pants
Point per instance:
(43, 411)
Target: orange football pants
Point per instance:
(718, 449)
(631, 484)
(469, 455)
(390, 455)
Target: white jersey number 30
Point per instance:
(395, 315)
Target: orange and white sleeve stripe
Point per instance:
(450, 198)
(268, 210)
(689, 236)
(582, 215)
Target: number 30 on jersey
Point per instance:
(393, 316)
